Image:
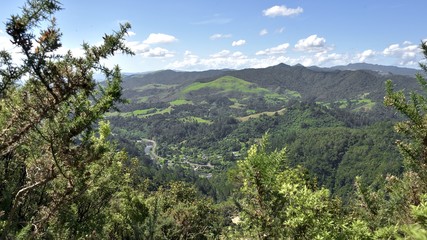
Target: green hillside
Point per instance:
(213, 121)
(226, 84)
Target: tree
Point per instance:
(52, 158)
(279, 202)
(398, 210)
(177, 211)
(414, 148)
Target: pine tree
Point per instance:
(414, 147)
(410, 192)
(55, 160)
(398, 210)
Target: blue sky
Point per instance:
(203, 34)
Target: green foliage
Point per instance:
(178, 212)
(195, 119)
(180, 102)
(418, 230)
(397, 210)
(61, 177)
(58, 174)
(279, 202)
(227, 83)
(414, 109)
(334, 145)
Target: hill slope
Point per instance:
(310, 83)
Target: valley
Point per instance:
(205, 121)
(278, 140)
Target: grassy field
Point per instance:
(361, 103)
(366, 105)
(141, 113)
(237, 104)
(257, 115)
(162, 111)
(227, 84)
(195, 119)
(144, 111)
(180, 102)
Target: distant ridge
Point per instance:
(312, 83)
(385, 70)
(168, 77)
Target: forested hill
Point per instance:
(316, 84)
(324, 85)
(205, 121)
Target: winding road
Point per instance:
(151, 147)
(152, 151)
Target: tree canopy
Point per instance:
(54, 153)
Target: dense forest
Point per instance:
(284, 152)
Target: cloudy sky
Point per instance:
(216, 34)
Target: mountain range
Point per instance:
(357, 83)
(386, 70)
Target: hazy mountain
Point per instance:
(167, 77)
(379, 68)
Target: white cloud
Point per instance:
(281, 49)
(271, 61)
(228, 54)
(145, 50)
(314, 52)
(406, 55)
(77, 52)
(312, 43)
(329, 59)
(158, 53)
(189, 60)
(188, 53)
(238, 60)
(238, 43)
(220, 60)
(14, 51)
(18, 56)
(282, 11)
(219, 36)
(221, 54)
(238, 55)
(361, 57)
(5, 43)
(402, 52)
(155, 38)
(263, 32)
(138, 47)
(392, 49)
